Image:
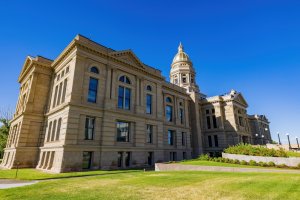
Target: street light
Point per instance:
(279, 142)
(288, 136)
(297, 142)
(262, 139)
(256, 138)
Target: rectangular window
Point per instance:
(183, 138)
(124, 95)
(169, 113)
(127, 159)
(173, 156)
(89, 128)
(241, 121)
(120, 159)
(150, 158)
(208, 122)
(213, 111)
(55, 96)
(87, 160)
(149, 133)
(216, 140)
(207, 111)
(184, 155)
(214, 121)
(93, 88)
(209, 141)
(170, 137)
(181, 115)
(122, 131)
(149, 104)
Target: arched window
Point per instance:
(94, 70)
(169, 100)
(149, 88)
(124, 79)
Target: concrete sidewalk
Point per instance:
(180, 167)
(11, 183)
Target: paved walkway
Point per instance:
(11, 183)
(180, 167)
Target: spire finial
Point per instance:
(180, 47)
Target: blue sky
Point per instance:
(250, 46)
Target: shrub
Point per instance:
(298, 166)
(271, 164)
(262, 164)
(281, 166)
(204, 157)
(248, 149)
(227, 160)
(252, 163)
(219, 159)
(243, 162)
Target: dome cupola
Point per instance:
(181, 56)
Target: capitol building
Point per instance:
(98, 108)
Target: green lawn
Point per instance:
(133, 184)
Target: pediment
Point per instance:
(26, 66)
(129, 57)
(240, 98)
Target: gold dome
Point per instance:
(181, 56)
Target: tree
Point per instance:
(5, 117)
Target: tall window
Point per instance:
(123, 131)
(94, 70)
(208, 122)
(124, 96)
(209, 141)
(86, 160)
(149, 104)
(58, 129)
(89, 128)
(150, 158)
(183, 138)
(149, 133)
(181, 115)
(214, 121)
(93, 87)
(127, 159)
(120, 159)
(216, 140)
(170, 137)
(169, 113)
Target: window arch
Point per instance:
(94, 70)
(124, 79)
(149, 88)
(168, 100)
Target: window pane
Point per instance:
(89, 128)
(120, 97)
(169, 113)
(170, 137)
(149, 104)
(216, 140)
(86, 160)
(122, 132)
(93, 87)
(149, 133)
(127, 98)
(209, 141)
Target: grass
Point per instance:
(133, 184)
(293, 154)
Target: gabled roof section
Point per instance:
(29, 61)
(129, 57)
(236, 96)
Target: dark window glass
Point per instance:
(86, 160)
(216, 140)
(169, 113)
(89, 128)
(183, 138)
(207, 111)
(170, 137)
(208, 122)
(241, 121)
(184, 155)
(120, 159)
(181, 115)
(214, 121)
(149, 104)
(184, 80)
(149, 88)
(93, 87)
(122, 131)
(127, 159)
(120, 97)
(149, 133)
(127, 98)
(95, 70)
(213, 111)
(168, 100)
(150, 158)
(124, 79)
(209, 141)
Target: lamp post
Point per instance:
(288, 136)
(262, 139)
(297, 143)
(256, 138)
(279, 142)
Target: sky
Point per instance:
(250, 46)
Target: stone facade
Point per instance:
(97, 108)
(260, 129)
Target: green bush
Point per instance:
(243, 162)
(248, 149)
(262, 164)
(204, 157)
(252, 163)
(281, 166)
(235, 161)
(271, 164)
